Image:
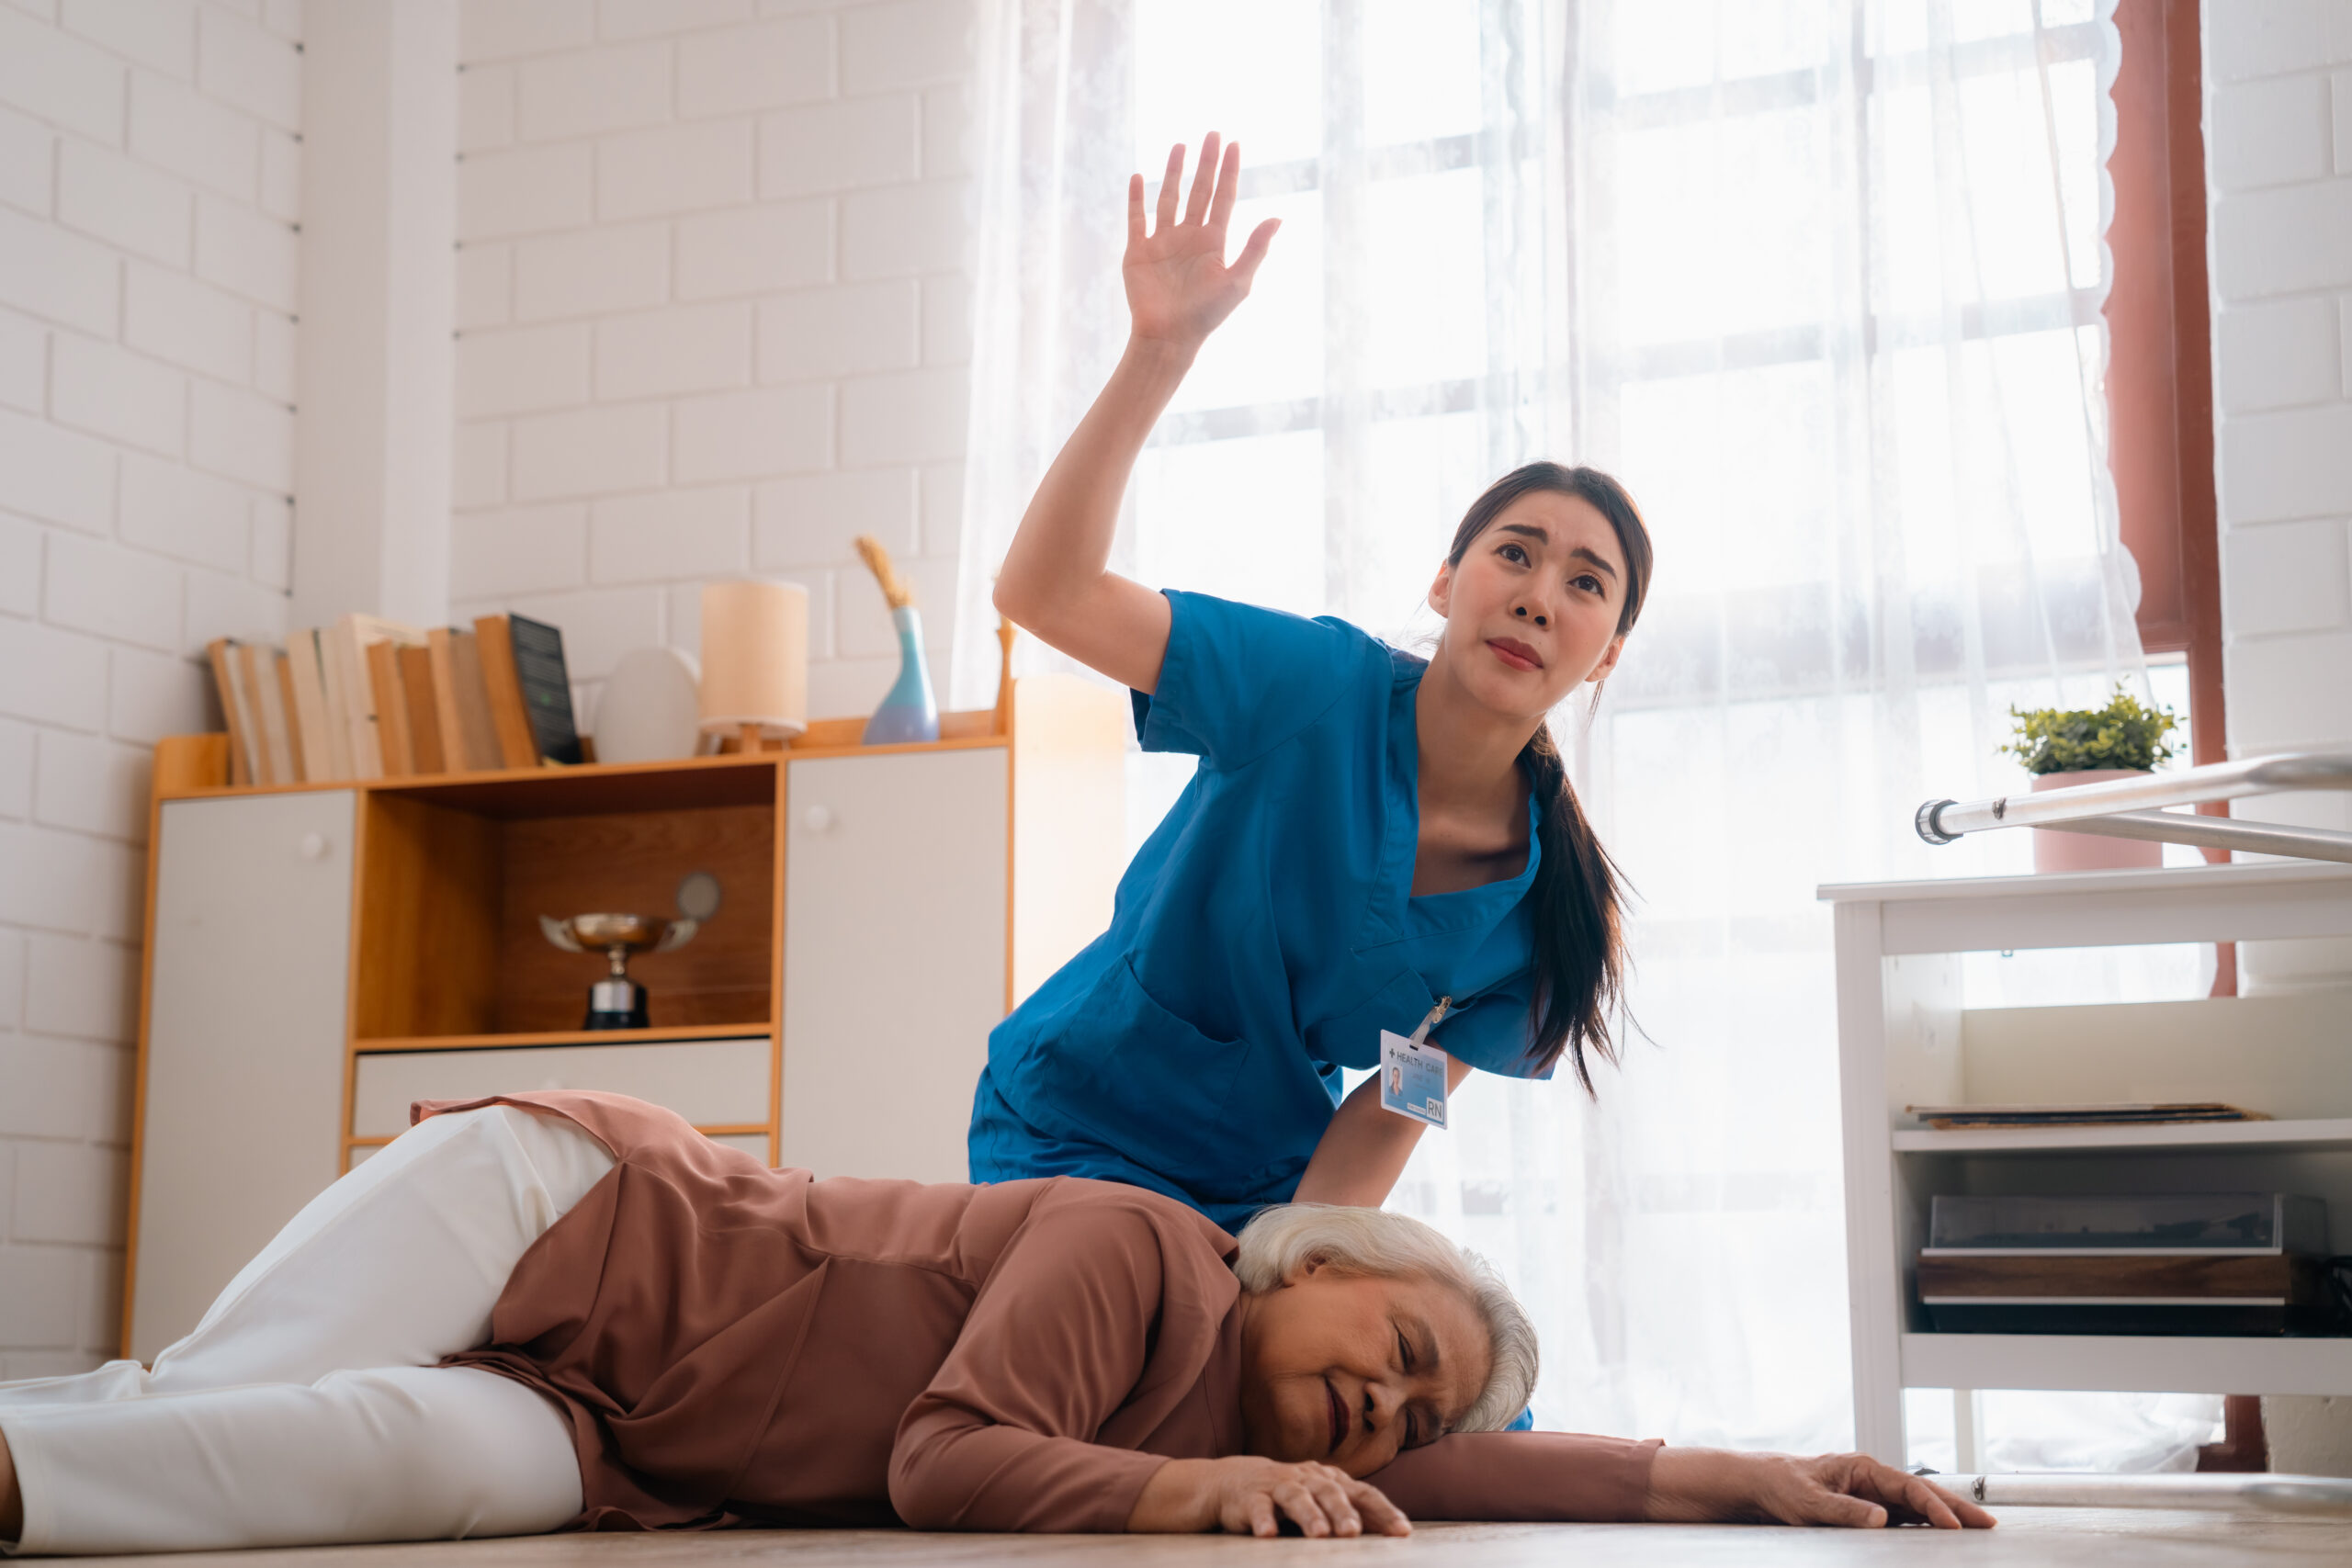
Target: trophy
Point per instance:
(617, 1001)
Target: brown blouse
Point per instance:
(736, 1345)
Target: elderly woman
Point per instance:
(571, 1310)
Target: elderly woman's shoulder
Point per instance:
(1079, 1214)
(1118, 1197)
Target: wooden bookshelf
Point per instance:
(303, 936)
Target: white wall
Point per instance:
(149, 171)
(2279, 168)
(711, 299)
(711, 312)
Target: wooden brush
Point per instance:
(895, 592)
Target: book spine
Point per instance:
(266, 745)
(277, 724)
(472, 692)
(221, 651)
(289, 713)
(448, 723)
(310, 705)
(338, 707)
(392, 710)
(358, 696)
(516, 745)
(426, 749)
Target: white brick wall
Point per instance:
(2279, 168)
(712, 313)
(147, 265)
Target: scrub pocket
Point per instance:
(1161, 1090)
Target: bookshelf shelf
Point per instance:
(387, 1044)
(2329, 1132)
(2126, 1363)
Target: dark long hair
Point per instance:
(1579, 941)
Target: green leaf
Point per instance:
(2072, 740)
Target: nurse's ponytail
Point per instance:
(1579, 942)
(1580, 947)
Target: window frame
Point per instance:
(2160, 365)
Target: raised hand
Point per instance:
(1178, 286)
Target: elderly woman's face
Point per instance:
(1347, 1369)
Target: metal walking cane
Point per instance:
(2132, 808)
(2319, 1495)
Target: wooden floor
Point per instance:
(2046, 1538)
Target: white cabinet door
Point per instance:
(894, 957)
(243, 1087)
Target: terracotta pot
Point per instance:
(2088, 852)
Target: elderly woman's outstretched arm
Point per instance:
(1561, 1476)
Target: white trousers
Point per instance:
(306, 1407)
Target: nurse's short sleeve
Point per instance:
(1239, 679)
(1494, 1034)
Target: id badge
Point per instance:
(1412, 1071)
(1412, 1078)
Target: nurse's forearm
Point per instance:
(1364, 1149)
(1054, 580)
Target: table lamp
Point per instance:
(755, 661)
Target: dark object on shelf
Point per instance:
(2212, 1263)
(2242, 1222)
(2125, 1292)
(530, 690)
(547, 687)
(1957, 1118)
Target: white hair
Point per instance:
(1373, 1241)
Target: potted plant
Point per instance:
(2065, 746)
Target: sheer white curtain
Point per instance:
(1820, 280)
(1405, 344)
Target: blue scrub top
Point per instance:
(1263, 936)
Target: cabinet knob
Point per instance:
(817, 820)
(313, 846)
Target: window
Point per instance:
(1712, 256)
(1367, 136)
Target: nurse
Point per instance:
(1370, 842)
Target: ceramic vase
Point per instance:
(2088, 852)
(909, 712)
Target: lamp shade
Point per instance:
(755, 657)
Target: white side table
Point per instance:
(1906, 1035)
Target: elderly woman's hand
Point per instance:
(1849, 1490)
(1248, 1495)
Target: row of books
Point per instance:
(369, 698)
